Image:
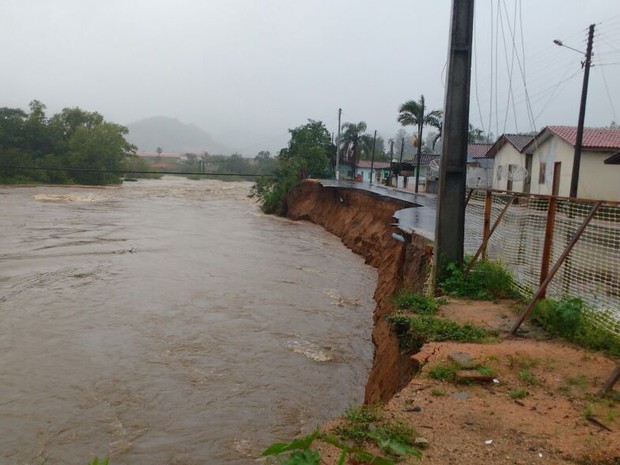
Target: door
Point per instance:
(555, 187)
(527, 182)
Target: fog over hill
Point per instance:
(172, 136)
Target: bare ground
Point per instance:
(542, 407)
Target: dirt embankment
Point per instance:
(364, 223)
(540, 408)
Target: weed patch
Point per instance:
(568, 319)
(518, 394)
(485, 281)
(413, 331)
(417, 303)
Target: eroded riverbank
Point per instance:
(363, 221)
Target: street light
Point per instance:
(574, 182)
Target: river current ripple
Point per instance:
(170, 322)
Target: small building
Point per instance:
(429, 171)
(380, 171)
(512, 167)
(479, 165)
(552, 151)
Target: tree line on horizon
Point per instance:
(72, 146)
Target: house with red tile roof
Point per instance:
(511, 166)
(552, 151)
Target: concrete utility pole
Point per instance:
(450, 221)
(372, 161)
(417, 166)
(400, 164)
(338, 145)
(574, 180)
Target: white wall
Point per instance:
(596, 180)
(506, 156)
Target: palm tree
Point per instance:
(411, 113)
(350, 142)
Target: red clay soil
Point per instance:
(542, 409)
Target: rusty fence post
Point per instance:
(486, 228)
(485, 241)
(543, 286)
(548, 244)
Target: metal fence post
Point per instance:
(488, 203)
(548, 244)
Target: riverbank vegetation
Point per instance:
(309, 154)
(70, 147)
(415, 323)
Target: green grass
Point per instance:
(366, 423)
(569, 319)
(529, 378)
(485, 281)
(518, 394)
(443, 371)
(485, 370)
(413, 331)
(417, 303)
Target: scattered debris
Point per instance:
(598, 422)
(472, 376)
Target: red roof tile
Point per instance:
(478, 150)
(378, 165)
(593, 138)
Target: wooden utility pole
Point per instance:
(450, 221)
(338, 146)
(574, 180)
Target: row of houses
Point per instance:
(543, 163)
(536, 164)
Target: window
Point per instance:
(499, 173)
(542, 174)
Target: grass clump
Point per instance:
(568, 319)
(413, 331)
(417, 303)
(444, 371)
(529, 378)
(485, 281)
(366, 422)
(518, 394)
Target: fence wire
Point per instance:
(591, 271)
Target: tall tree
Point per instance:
(350, 141)
(413, 113)
(308, 154)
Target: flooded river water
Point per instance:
(170, 322)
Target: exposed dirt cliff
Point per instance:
(364, 222)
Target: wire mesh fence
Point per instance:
(532, 235)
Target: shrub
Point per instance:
(485, 281)
(568, 318)
(416, 303)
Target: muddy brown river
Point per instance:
(170, 322)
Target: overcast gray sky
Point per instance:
(248, 70)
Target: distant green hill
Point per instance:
(172, 136)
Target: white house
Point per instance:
(512, 167)
(552, 150)
(479, 165)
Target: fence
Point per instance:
(571, 244)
